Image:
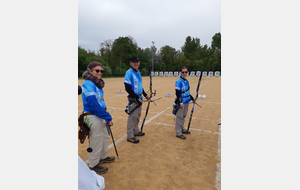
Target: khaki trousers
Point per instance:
(180, 117)
(133, 121)
(99, 140)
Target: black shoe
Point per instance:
(133, 140)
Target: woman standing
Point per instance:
(92, 98)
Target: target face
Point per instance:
(217, 73)
(198, 73)
(204, 73)
(171, 73)
(161, 73)
(156, 73)
(193, 73)
(166, 74)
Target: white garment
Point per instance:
(88, 179)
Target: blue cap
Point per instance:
(134, 58)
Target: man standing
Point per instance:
(134, 87)
(183, 97)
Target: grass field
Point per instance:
(161, 160)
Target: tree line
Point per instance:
(115, 56)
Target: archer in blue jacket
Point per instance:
(92, 98)
(183, 97)
(134, 87)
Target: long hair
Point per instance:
(86, 72)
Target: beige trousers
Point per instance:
(133, 121)
(99, 139)
(180, 117)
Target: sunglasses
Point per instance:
(97, 70)
(184, 72)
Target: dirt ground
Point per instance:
(161, 160)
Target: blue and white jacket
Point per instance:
(92, 98)
(183, 85)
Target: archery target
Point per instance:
(204, 73)
(161, 73)
(156, 73)
(198, 73)
(152, 73)
(192, 73)
(166, 73)
(210, 73)
(170, 73)
(175, 73)
(217, 73)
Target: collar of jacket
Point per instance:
(134, 69)
(182, 78)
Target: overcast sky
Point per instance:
(166, 22)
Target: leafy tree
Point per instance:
(216, 41)
(168, 53)
(216, 51)
(217, 60)
(98, 59)
(82, 61)
(105, 47)
(144, 71)
(179, 61)
(145, 61)
(120, 71)
(107, 70)
(123, 49)
(192, 55)
(190, 47)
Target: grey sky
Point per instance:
(166, 22)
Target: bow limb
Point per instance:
(194, 102)
(145, 116)
(150, 87)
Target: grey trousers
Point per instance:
(133, 121)
(99, 140)
(180, 116)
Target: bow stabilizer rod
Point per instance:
(110, 132)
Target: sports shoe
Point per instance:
(139, 134)
(181, 136)
(133, 140)
(107, 160)
(99, 169)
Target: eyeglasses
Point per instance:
(97, 70)
(184, 72)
